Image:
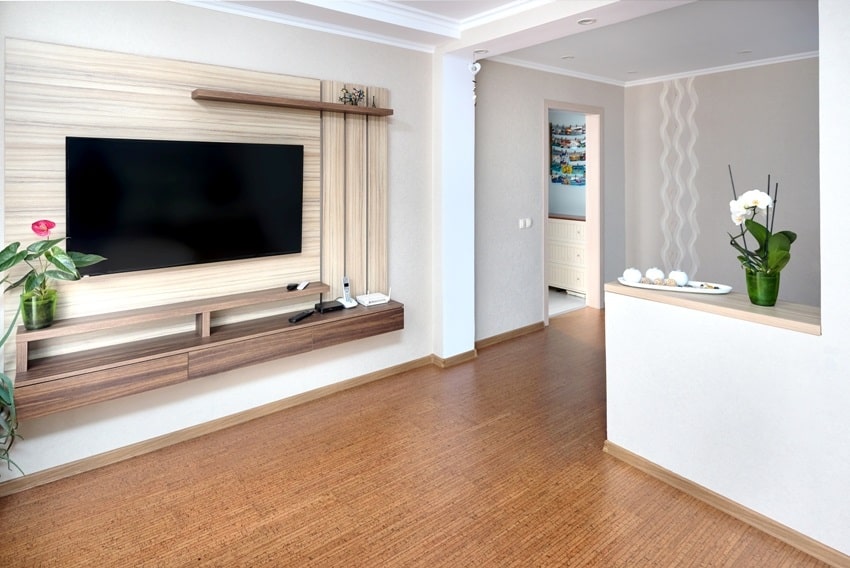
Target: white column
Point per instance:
(454, 208)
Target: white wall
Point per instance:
(756, 414)
(177, 31)
(511, 172)
(749, 411)
(453, 272)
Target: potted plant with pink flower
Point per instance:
(46, 260)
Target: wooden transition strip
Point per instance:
(765, 524)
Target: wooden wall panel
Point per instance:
(333, 192)
(53, 91)
(355, 202)
(377, 195)
(354, 194)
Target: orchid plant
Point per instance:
(774, 247)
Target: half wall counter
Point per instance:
(721, 399)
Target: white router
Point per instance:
(373, 299)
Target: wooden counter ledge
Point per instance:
(795, 317)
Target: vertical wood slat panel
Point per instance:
(356, 202)
(333, 192)
(355, 186)
(377, 195)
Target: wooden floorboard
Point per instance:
(497, 461)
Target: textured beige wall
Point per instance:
(511, 177)
(680, 137)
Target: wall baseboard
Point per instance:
(455, 360)
(757, 520)
(487, 342)
(43, 477)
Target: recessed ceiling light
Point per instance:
(568, 57)
(480, 51)
(631, 72)
(745, 51)
(586, 21)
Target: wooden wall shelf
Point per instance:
(246, 98)
(61, 382)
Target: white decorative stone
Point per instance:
(632, 275)
(655, 274)
(680, 277)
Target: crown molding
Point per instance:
(305, 23)
(650, 80)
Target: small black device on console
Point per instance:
(292, 286)
(300, 316)
(331, 306)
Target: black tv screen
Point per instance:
(148, 204)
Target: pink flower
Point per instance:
(42, 227)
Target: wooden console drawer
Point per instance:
(227, 356)
(38, 399)
(373, 321)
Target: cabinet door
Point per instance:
(565, 254)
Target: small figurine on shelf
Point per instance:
(353, 97)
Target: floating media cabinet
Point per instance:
(61, 382)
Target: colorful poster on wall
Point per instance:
(567, 142)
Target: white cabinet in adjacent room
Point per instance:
(565, 255)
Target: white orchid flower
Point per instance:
(755, 199)
(738, 212)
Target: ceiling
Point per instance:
(631, 41)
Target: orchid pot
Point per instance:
(762, 288)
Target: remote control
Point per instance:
(303, 285)
(291, 287)
(300, 316)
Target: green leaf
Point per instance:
(758, 231)
(61, 275)
(20, 281)
(790, 235)
(5, 337)
(778, 242)
(10, 256)
(778, 251)
(778, 260)
(747, 257)
(60, 259)
(33, 280)
(38, 248)
(83, 259)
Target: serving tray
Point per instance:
(692, 287)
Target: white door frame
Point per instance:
(593, 213)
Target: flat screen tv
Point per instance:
(148, 204)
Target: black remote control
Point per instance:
(298, 317)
